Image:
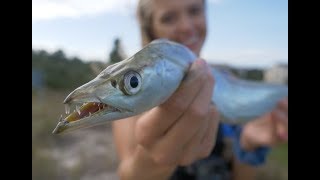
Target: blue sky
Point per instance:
(243, 33)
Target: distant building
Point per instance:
(277, 74)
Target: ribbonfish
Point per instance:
(149, 77)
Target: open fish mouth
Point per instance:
(87, 110)
(84, 112)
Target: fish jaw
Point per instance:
(91, 107)
(65, 126)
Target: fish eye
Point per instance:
(132, 82)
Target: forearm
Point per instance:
(141, 166)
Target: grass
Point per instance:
(276, 167)
(280, 155)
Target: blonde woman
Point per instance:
(179, 138)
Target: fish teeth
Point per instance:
(78, 109)
(67, 108)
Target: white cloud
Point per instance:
(85, 53)
(52, 9)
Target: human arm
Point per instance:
(178, 132)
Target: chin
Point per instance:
(196, 51)
(197, 48)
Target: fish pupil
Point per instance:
(134, 82)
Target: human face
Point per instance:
(182, 21)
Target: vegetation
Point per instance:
(59, 72)
(116, 54)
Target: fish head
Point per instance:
(126, 88)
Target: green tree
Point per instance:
(116, 54)
(59, 71)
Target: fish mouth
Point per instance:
(83, 115)
(87, 110)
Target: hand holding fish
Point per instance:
(182, 129)
(178, 132)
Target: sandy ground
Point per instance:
(91, 151)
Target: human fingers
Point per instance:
(185, 128)
(190, 151)
(201, 145)
(209, 139)
(154, 123)
(283, 104)
(260, 132)
(196, 112)
(281, 120)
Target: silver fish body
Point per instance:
(151, 76)
(240, 101)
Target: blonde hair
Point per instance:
(144, 14)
